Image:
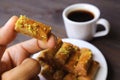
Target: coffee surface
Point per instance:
(80, 16)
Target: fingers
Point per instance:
(7, 33)
(2, 49)
(17, 53)
(34, 45)
(29, 69)
(50, 44)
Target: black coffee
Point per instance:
(80, 16)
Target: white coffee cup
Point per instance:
(85, 30)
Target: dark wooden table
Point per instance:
(50, 12)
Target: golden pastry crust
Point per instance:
(70, 65)
(84, 62)
(32, 28)
(47, 71)
(90, 76)
(92, 71)
(58, 75)
(63, 53)
(47, 56)
(70, 76)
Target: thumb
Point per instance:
(27, 70)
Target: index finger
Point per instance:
(17, 53)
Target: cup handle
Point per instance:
(106, 25)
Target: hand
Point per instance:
(15, 63)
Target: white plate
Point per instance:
(97, 55)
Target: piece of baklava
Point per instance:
(84, 62)
(33, 28)
(92, 71)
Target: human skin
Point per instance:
(15, 61)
